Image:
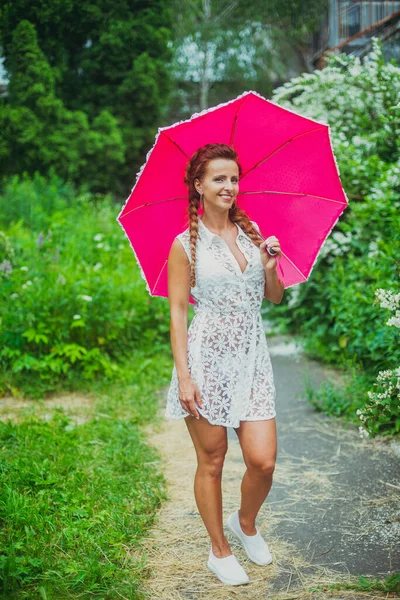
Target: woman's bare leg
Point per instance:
(210, 442)
(259, 446)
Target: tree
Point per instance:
(39, 133)
(104, 56)
(239, 44)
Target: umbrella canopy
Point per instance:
(290, 184)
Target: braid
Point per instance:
(193, 233)
(196, 169)
(237, 215)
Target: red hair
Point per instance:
(196, 169)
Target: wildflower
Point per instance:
(97, 266)
(373, 248)
(14, 296)
(77, 317)
(86, 298)
(363, 432)
(100, 245)
(24, 268)
(6, 266)
(394, 320)
(98, 237)
(387, 299)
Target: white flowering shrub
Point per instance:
(358, 98)
(381, 412)
(334, 309)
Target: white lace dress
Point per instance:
(227, 353)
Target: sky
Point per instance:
(3, 78)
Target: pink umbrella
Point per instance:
(290, 184)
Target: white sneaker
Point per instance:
(227, 569)
(255, 546)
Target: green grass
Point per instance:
(389, 584)
(75, 500)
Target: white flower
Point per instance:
(394, 320)
(77, 317)
(294, 295)
(29, 283)
(97, 266)
(14, 295)
(388, 299)
(98, 237)
(100, 245)
(373, 248)
(86, 298)
(24, 268)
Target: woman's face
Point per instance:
(220, 185)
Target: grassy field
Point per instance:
(79, 486)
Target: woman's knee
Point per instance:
(212, 462)
(261, 466)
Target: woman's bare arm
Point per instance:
(178, 296)
(274, 288)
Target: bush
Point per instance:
(334, 311)
(72, 299)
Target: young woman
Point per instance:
(222, 375)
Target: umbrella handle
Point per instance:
(272, 252)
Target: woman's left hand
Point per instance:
(270, 262)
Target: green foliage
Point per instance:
(359, 100)
(32, 77)
(75, 500)
(72, 299)
(334, 311)
(39, 133)
(258, 43)
(391, 583)
(87, 88)
(381, 413)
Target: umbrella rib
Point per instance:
(235, 121)
(156, 202)
(292, 263)
(292, 194)
(159, 275)
(280, 148)
(175, 144)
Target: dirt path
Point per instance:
(330, 516)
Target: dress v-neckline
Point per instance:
(229, 250)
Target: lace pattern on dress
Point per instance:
(227, 349)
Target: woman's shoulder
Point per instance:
(184, 235)
(184, 238)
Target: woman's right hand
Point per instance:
(188, 394)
